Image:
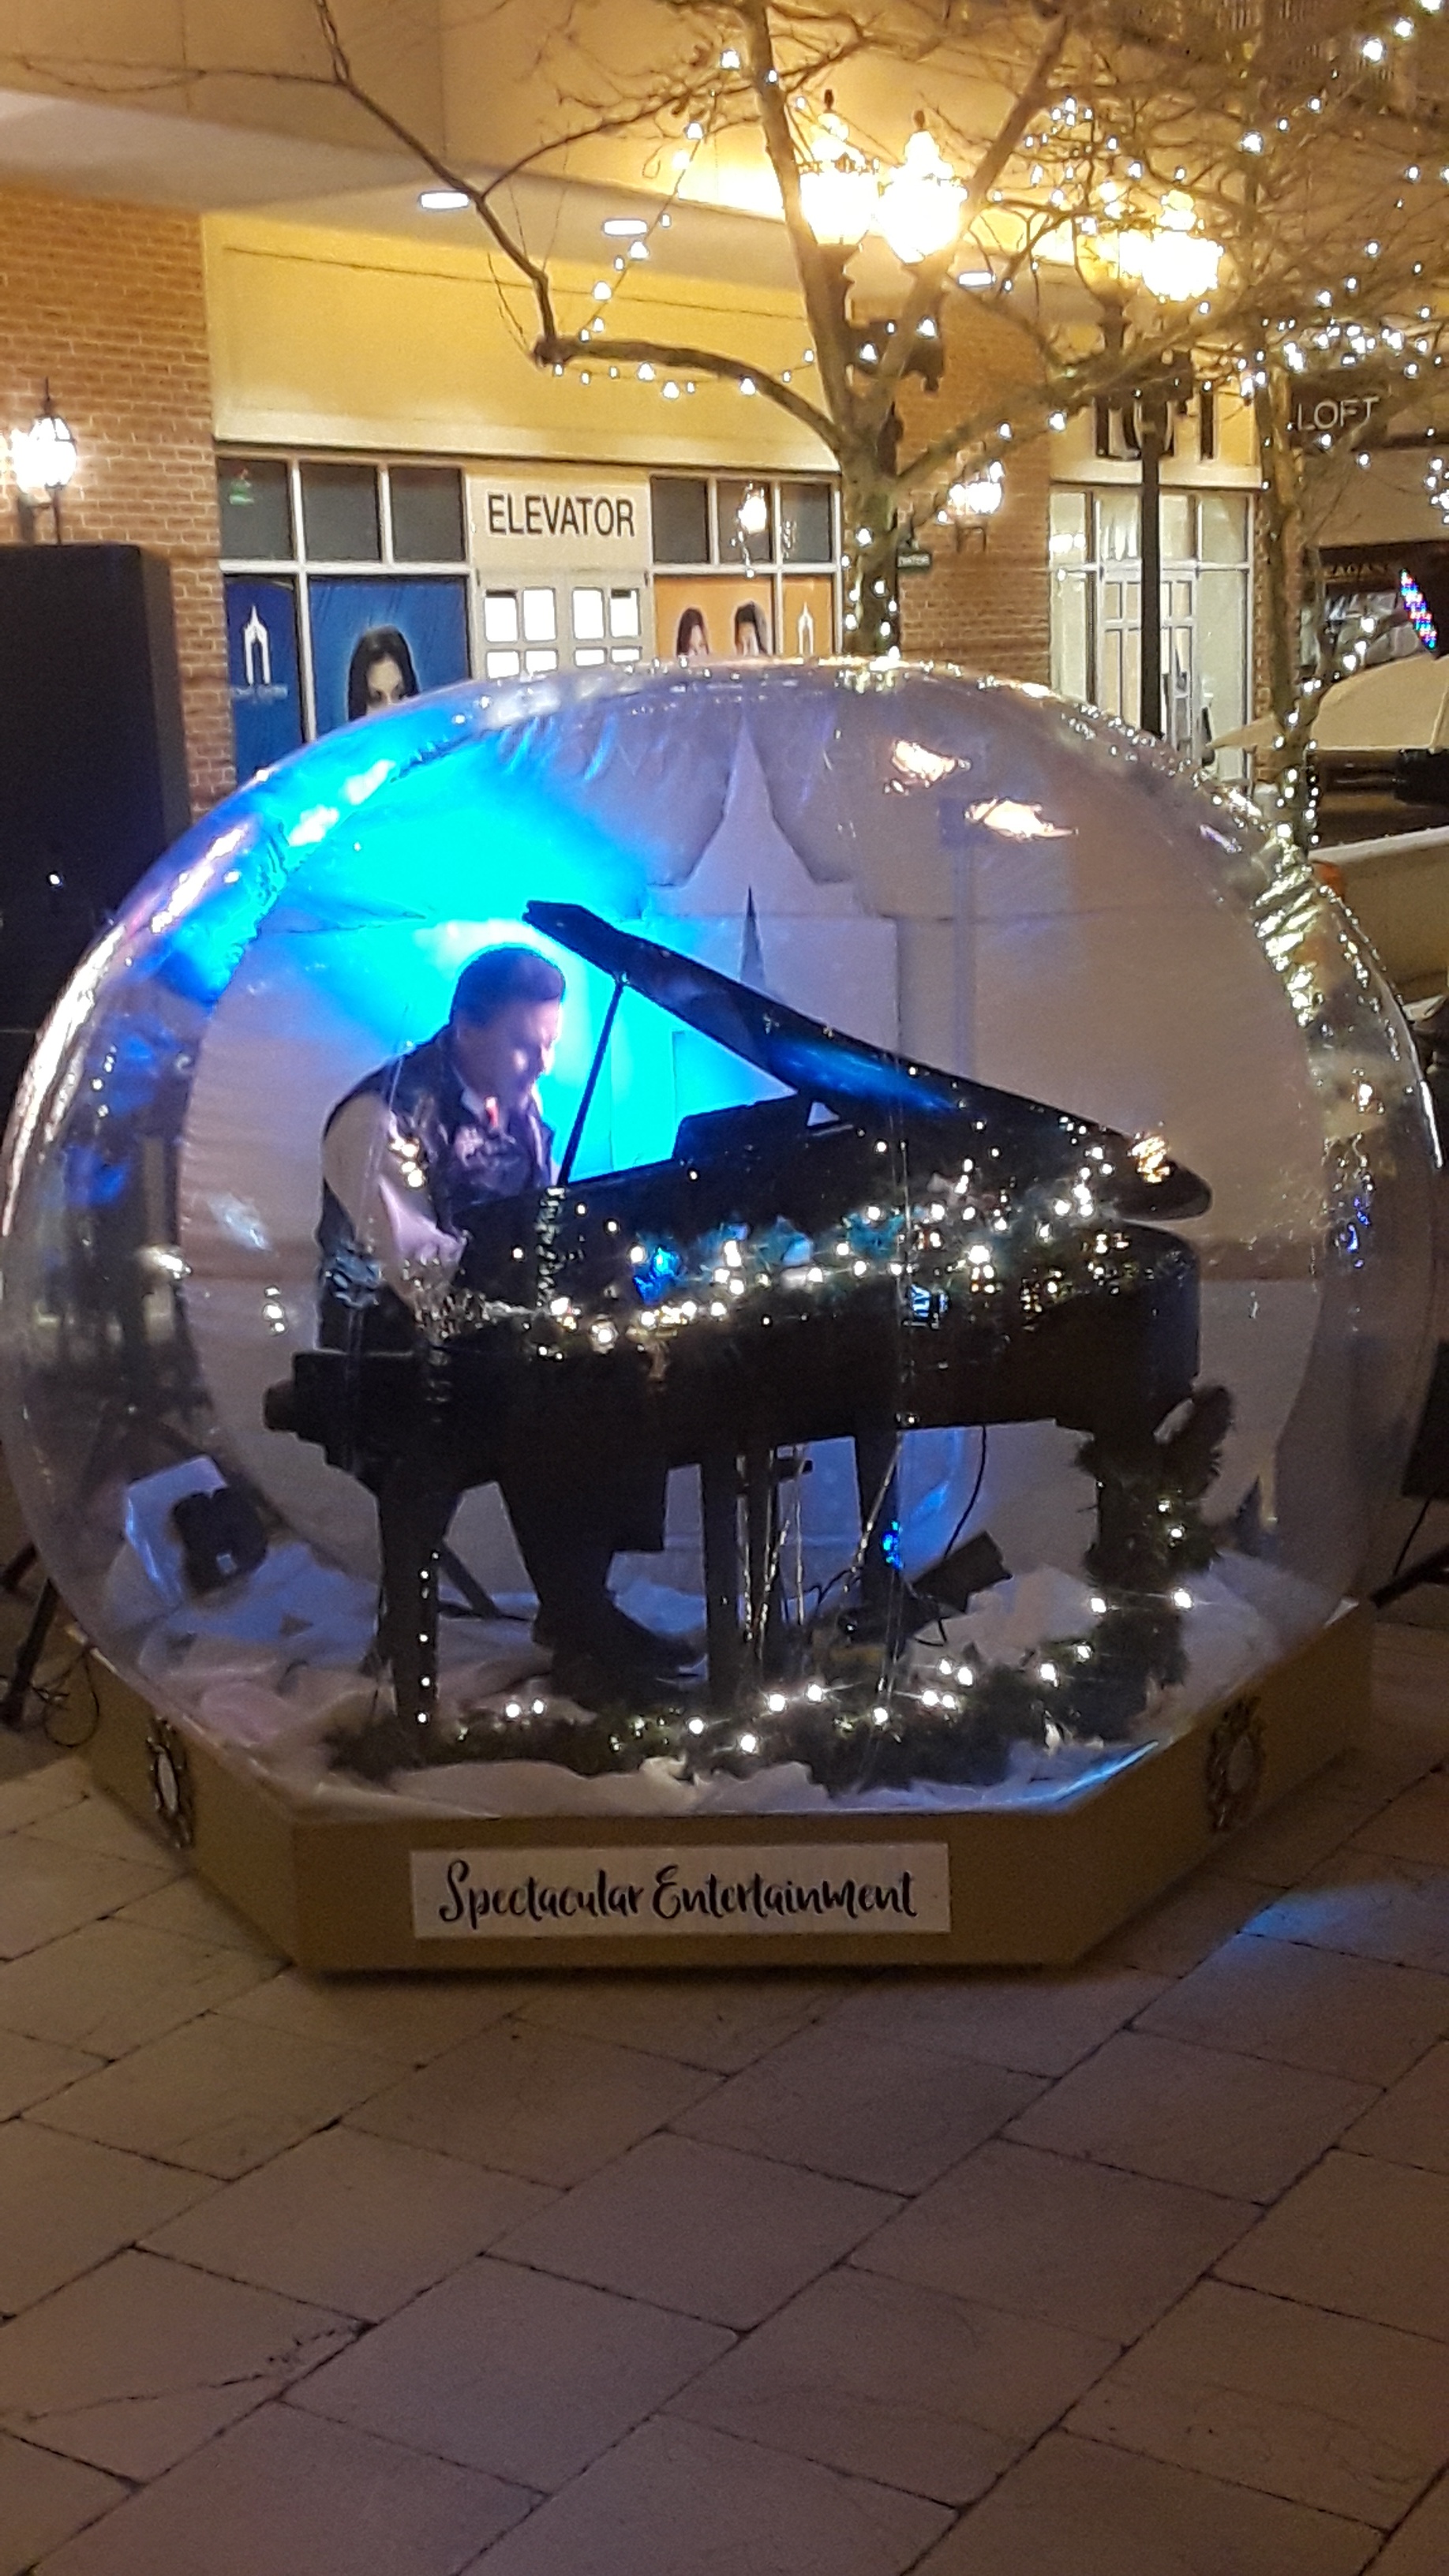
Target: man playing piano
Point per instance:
(412, 1157)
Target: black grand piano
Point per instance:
(1094, 1328)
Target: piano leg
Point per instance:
(764, 1592)
(719, 1507)
(412, 1518)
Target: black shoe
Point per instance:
(612, 1684)
(606, 1631)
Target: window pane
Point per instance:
(1176, 527)
(542, 658)
(1071, 663)
(339, 511)
(588, 614)
(742, 507)
(500, 616)
(256, 508)
(680, 507)
(1222, 655)
(1224, 527)
(623, 612)
(1117, 527)
(805, 531)
(540, 619)
(1068, 541)
(587, 655)
(503, 666)
(624, 653)
(427, 514)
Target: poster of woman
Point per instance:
(375, 643)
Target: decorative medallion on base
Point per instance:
(1235, 1762)
(172, 1792)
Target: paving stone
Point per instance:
(700, 2228)
(1074, 2508)
(351, 2222)
(1326, 2410)
(285, 2494)
(892, 2382)
(217, 2095)
(1276, 1998)
(534, 2102)
(507, 2370)
(1045, 2236)
(1197, 2115)
(679, 2500)
(140, 2362)
(1366, 2238)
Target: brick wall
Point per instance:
(989, 606)
(107, 301)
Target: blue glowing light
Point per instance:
(1421, 616)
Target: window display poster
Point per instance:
(375, 643)
(266, 695)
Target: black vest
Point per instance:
(468, 1162)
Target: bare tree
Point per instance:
(1085, 133)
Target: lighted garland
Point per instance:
(868, 1716)
(878, 1730)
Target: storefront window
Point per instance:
(340, 513)
(254, 494)
(764, 577)
(363, 602)
(805, 531)
(1096, 569)
(427, 514)
(680, 506)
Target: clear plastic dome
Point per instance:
(983, 1318)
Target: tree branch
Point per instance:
(560, 350)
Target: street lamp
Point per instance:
(1176, 264)
(974, 501)
(921, 203)
(44, 458)
(839, 190)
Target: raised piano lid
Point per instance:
(853, 1078)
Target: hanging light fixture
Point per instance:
(839, 190)
(1176, 262)
(973, 503)
(44, 458)
(921, 203)
(753, 514)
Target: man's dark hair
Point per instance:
(498, 976)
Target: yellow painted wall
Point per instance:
(349, 340)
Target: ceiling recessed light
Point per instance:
(443, 201)
(624, 227)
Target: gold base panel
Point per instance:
(980, 1887)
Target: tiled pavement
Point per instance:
(1137, 2271)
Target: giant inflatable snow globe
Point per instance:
(685, 1241)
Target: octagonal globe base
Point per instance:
(987, 1887)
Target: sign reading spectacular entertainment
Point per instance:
(657, 1892)
(533, 520)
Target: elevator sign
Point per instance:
(529, 520)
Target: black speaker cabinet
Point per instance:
(92, 760)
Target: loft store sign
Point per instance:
(655, 1893)
(1323, 408)
(521, 520)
